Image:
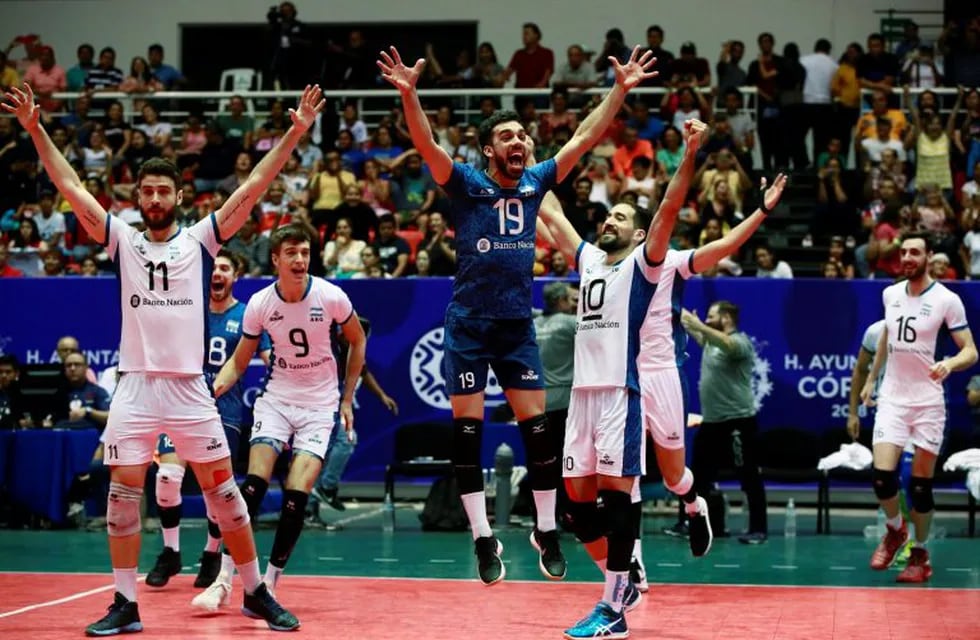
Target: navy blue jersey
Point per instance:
(495, 230)
(224, 332)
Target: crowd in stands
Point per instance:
(907, 158)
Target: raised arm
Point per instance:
(236, 366)
(712, 253)
(565, 237)
(90, 213)
(232, 214)
(662, 227)
(404, 78)
(635, 71)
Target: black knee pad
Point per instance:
(169, 516)
(617, 516)
(253, 491)
(467, 440)
(294, 505)
(585, 520)
(543, 467)
(921, 498)
(885, 483)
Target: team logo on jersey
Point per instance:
(173, 251)
(141, 247)
(316, 314)
(483, 245)
(282, 363)
(232, 326)
(425, 372)
(276, 316)
(134, 301)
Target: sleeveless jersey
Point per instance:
(495, 231)
(302, 366)
(613, 303)
(164, 296)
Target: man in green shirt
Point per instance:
(730, 430)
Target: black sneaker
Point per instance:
(679, 530)
(168, 564)
(699, 528)
(552, 562)
(123, 617)
(262, 606)
(488, 550)
(210, 567)
(754, 537)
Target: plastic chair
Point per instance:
(239, 80)
(421, 450)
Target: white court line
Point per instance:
(51, 603)
(727, 566)
(669, 564)
(787, 567)
(385, 559)
(441, 560)
(331, 558)
(843, 568)
(960, 569)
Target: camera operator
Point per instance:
(290, 44)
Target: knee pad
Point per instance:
(585, 520)
(227, 507)
(617, 518)
(685, 484)
(467, 439)
(921, 498)
(543, 468)
(123, 510)
(169, 479)
(885, 483)
(294, 505)
(253, 492)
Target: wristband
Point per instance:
(763, 208)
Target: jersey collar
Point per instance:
(924, 291)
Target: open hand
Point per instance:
(310, 104)
(636, 70)
(772, 195)
(20, 102)
(397, 73)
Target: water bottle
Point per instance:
(388, 514)
(877, 530)
(503, 466)
(790, 529)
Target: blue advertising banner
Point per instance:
(807, 334)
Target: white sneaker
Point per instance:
(216, 596)
(638, 574)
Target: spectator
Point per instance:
(832, 270)
(922, 70)
(355, 64)
(834, 149)
(393, 251)
(910, 41)
(46, 78)
(818, 108)
(351, 121)
(383, 150)
(32, 44)
(296, 180)
(50, 223)
(877, 69)
(416, 193)
(741, 124)
(931, 212)
(970, 251)
(188, 213)
(846, 91)
(870, 148)
(834, 212)
(273, 129)
(487, 72)
(963, 57)
(216, 161)
(423, 265)
(686, 104)
(689, 69)
(838, 254)
(372, 264)
(671, 151)
(290, 44)
(54, 264)
(170, 78)
(932, 144)
(560, 115)
(722, 165)
(532, 65)
(276, 208)
(970, 189)
(768, 267)
(574, 74)
(105, 76)
(721, 207)
(89, 267)
(375, 190)
(159, 133)
(603, 183)
(648, 127)
(252, 246)
(730, 73)
(891, 168)
(327, 191)
(665, 59)
(940, 268)
(88, 403)
(641, 181)
(789, 85)
(237, 126)
(6, 270)
(446, 133)
(558, 267)
(342, 255)
(140, 79)
(26, 249)
(243, 167)
(192, 140)
(363, 219)
(614, 47)
(8, 75)
(763, 74)
(721, 139)
(311, 156)
(469, 151)
(351, 157)
(441, 248)
(632, 147)
(584, 213)
(77, 77)
(883, 247)
(11, 405)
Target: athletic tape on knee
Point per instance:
(226, 504)
(617, 517)
(467, 440)
(585, 520)
(683, 485)
(885, 483)
(123, 510)
(169, 479)
(543, 467)
(921, 494)
(253, 491)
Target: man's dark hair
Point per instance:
(533, 27)
(642, 217)
(585, 180)
(615, 34)
(488, 125)
(237, 260)
(388, 217)
(733, 91)
(107, 50)
(883, 122)
(155, 47)
(159, 167)
(764, 35)
(822, 46)
(918, 235)
(288, 233)
(728, 308)
(642, 161)
(10, 360)
(85, 47)
(875, 36)
(655, 28)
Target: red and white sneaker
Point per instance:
(888, 548)
(918, 568)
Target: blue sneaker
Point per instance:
(603, 622)
(631, 597)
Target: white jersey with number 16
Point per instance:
(914, 325)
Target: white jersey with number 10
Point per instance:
(914, 325)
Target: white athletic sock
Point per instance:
(921, 544)
(476, 512)
(171, 538)
(213, 544)
(616, 582)
(250, 575)
(125, 580)
(272, 574)
(638, 550)
(895, 522)
(545, 502)
(228, 566)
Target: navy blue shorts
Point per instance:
(233, 435)
(472, 345)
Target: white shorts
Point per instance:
(922, 426)
(146, 405)
(309, 428)
(604, 434)
(663, 406)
